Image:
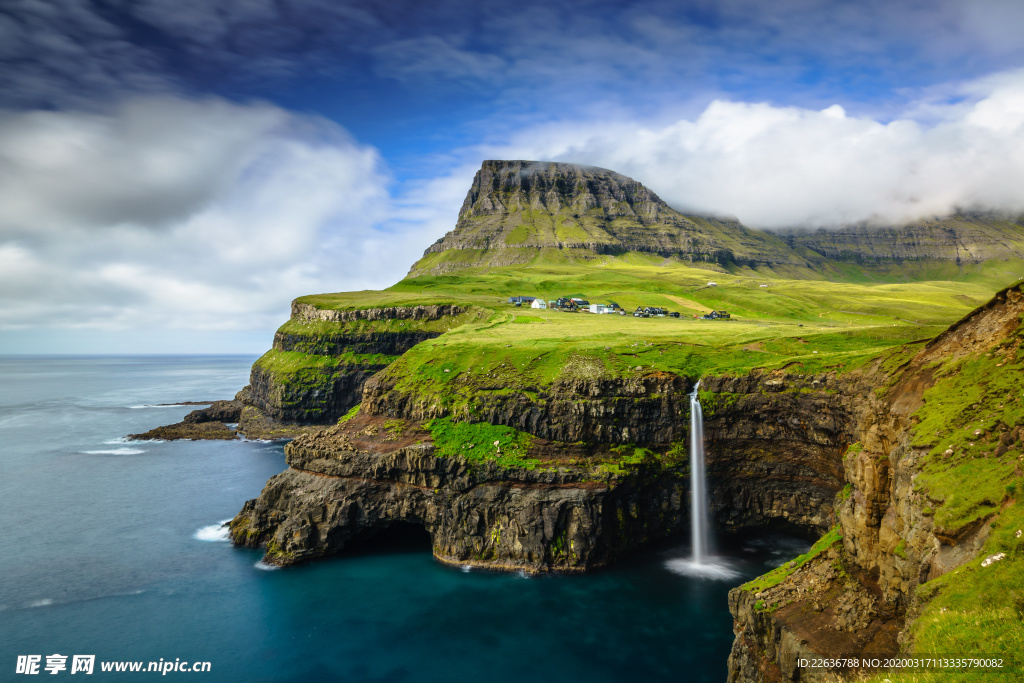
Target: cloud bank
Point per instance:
(778, 167)
(166, 213)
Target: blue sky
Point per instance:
(173, 173)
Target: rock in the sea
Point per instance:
(187, 430)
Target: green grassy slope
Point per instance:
(816, 323)
(807, 325)
(972, 474)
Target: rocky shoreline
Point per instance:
(206, 423)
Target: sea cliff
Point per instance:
(930, 484)
(573, 503)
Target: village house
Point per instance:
(539, 303)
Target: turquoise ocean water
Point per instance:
(111, 549)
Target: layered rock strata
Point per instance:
(643, 410)
(963, 238)
(340, 350)
(764, 470)
(774, 447)
(890, 541)
(343, 486)
(515, 208)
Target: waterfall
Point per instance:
(701, 564)
(698, 488)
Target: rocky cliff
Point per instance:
(963, 239)
(351, 481)
(856, 451)
(607, 472)
(913, 510)
(322, 357)
(515, 209)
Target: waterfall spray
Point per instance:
(698, 490)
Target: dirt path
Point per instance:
(688, 304)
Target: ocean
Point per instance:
(113, 549)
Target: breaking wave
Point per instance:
(214, 532)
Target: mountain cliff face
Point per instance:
(516, 208)
(964, 239)
(321, 358)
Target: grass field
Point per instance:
(635, 280)
(807, 324)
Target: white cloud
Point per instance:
(185, 215)
(207, 218)
(775, 166)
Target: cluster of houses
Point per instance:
(566, 303)
(574, 304)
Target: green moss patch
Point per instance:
(967, 423)
(291, 363)
(350, 414)
(780, 574)
(481, 442)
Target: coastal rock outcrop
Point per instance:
(568, 514)
(345, 484)
(891, 539)
(202, 424)
(322, 357)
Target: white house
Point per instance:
(539, 303)
(599, 308)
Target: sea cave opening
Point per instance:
(392, 539)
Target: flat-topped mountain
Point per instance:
(523, 212)
(514, 209)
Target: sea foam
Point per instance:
(117, 451)
(266, 566)
(215, 532)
